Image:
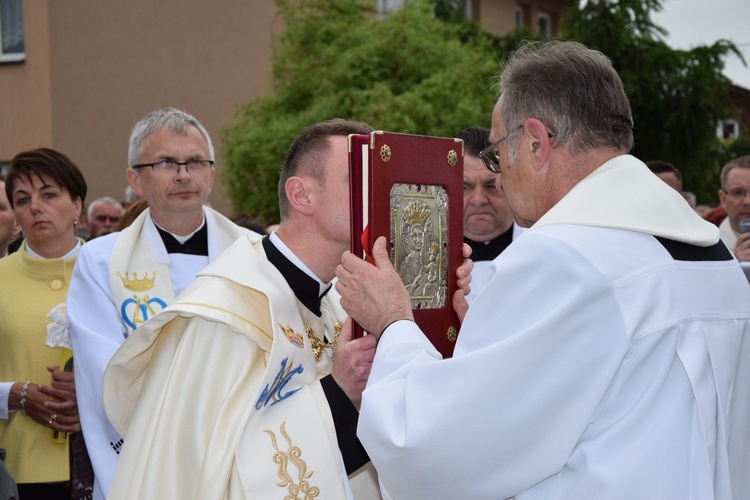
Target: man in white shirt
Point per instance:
(599, 361)
(122, 279)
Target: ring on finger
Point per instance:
(53, 417)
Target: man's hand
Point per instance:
(373, 296)
(742, 248)
(463, 273)
(352, 362)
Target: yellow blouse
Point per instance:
(29, 288)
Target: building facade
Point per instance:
(75, 75)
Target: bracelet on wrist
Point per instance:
(23, 397)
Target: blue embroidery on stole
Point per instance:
(140, 313)
(272, 393)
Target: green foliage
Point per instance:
(425, 69)
(409, 72)
(677, 96)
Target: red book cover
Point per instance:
(409, 188)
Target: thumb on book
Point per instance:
(380, 254)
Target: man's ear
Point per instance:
(134, 180)
(298, 194)
(540, 143)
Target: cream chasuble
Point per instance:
(234, 350)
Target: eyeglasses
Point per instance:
(173, 167)
(736, 194)
(489, 158)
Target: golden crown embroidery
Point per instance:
(293, 337)
(137, 310)
(301, 488)
(272, 392)
(136, 284)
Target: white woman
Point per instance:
(46, 190)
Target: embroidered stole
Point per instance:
(139, 271)
(288, 446)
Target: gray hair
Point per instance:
(104, 200)
(739, 162)
(130, 196)
(573, 90)
(170, 118)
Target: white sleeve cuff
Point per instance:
(4, 395)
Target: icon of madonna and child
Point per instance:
(419, 234)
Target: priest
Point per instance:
(608, 355)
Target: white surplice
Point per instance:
(593, 365)
(98, 328)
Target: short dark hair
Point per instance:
(475, 140)
(661, 167)
(306, 153)
(45, 162)
(574, 90)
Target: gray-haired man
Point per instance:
(122, 279)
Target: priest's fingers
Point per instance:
(373, 296)
(466, 251)
(463, 273)
(460, 305)
(352, 363)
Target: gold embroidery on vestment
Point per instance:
(136, 284)
(141, 301)
(292, 455)
(318, 346)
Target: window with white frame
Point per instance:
(12, 46)
(543, 23)
(728, 129)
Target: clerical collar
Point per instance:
(488, 250)
(195, 243)
(307, 287)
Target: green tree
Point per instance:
(677, 96)
(410, 72)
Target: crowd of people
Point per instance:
(155, 348)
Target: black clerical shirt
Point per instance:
(488, 250)
(197, 244)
